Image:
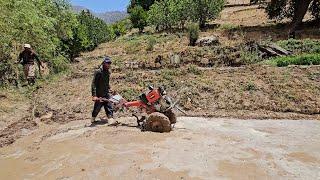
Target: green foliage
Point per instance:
(193, 34)
(145, 4)
(304, 59)
(250, 86)
(133, 47)
(121, 28)
(151, 42)
(158, 15)
(52, 29)
(250, 56)
(8, 72)
(229, 27)
(168, 14)
(138, 17)
(301, 46)
(88, 33)
(60, 64)
(281, 9)
(42, 24)
(193, 69)
(207, 9)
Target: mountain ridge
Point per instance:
(109, 17)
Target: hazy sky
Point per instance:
(103, 5)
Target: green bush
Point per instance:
(52, 28)
(169, 14)
(133, 47)
(138, 17)
(250, 86)
(193, 34)
(59, 64)
(193, 69)
(250, 56)
(301, 46)
(229, 27)
(305, 59)
(151, 43)
(122, 27)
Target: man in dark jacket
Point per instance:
(27, 58)
(100, 89)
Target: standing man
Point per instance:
(100, 89)
(27, 58)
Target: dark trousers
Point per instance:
(107, 107)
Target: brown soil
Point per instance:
(16, 130)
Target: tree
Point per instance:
(167, 14)
(138, 17)
(41, 23)
(158, 15)
(145, 4)
(207, 9)
(53, 30)
(121, 27)
(293, 9)
(88, 33)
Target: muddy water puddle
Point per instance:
(197, 149)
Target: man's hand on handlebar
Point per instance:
(95, 98)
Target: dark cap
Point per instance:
(107, 60)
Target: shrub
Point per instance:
(122, 27)
(229, 27)
(194, 70)
(169, 14)
(305, 59)
(7, 73)
(250, 86)
(133, 47)
(151, 42)
(249, 55)
(59, 64)
(301, 46)
(193, 34)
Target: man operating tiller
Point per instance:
(100, 90)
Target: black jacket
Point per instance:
(100, 84)
(28, 57)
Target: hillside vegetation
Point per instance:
(56, 33)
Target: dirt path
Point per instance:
(198, 149)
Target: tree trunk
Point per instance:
(301, 9)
